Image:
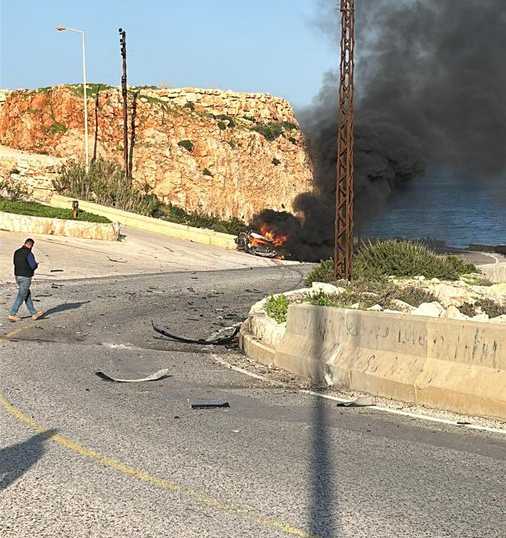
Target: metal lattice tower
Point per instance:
(345, 140)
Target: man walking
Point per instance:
(24, 268)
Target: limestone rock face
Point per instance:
(222, 153)
(34, 172)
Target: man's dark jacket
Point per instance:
(24, 262)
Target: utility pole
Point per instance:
(345, 141)
(124, 92)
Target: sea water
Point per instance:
(459, 212)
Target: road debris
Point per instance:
(161, 374)
(359, 402)
(56, 270)
(213, 339)
(208, 404)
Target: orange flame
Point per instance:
(277, 239)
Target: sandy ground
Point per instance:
(137, 253)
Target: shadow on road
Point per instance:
(15, 460)
(323, 520)
(64, 307)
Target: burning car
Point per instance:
(267, 243)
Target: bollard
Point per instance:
(75, 209)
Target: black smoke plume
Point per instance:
(430, 91)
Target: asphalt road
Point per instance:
(82, 457)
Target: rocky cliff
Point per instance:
(222, 153)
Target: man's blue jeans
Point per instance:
(23, 296)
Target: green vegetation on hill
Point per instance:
(34, 209)
(274, 129)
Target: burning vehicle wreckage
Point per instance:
(266, 243)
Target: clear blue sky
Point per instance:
(245, 45)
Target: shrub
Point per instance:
(277, 307)
(414, 296)
(276, 162)
(490, 307)
(173, 213)
(270, 131)
(186, 144)
(324, 272)
(57, 128)
(207, 172)
(189, 105)
(292, 139)
(406, 259)
(289, 125)
(106, 184)
(224, 121)
(467, 309)
(13, 190)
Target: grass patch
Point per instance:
(34, 209)
(277, 307)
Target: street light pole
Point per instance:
(85, 90)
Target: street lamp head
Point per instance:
(61, 29)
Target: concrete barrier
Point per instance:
(13, 222)
(451, 365)
(171, 229)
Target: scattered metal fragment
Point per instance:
(116, 261)
(208, 404)
(359, 402)
(56, 270)
(161, 374)
(213, 339)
